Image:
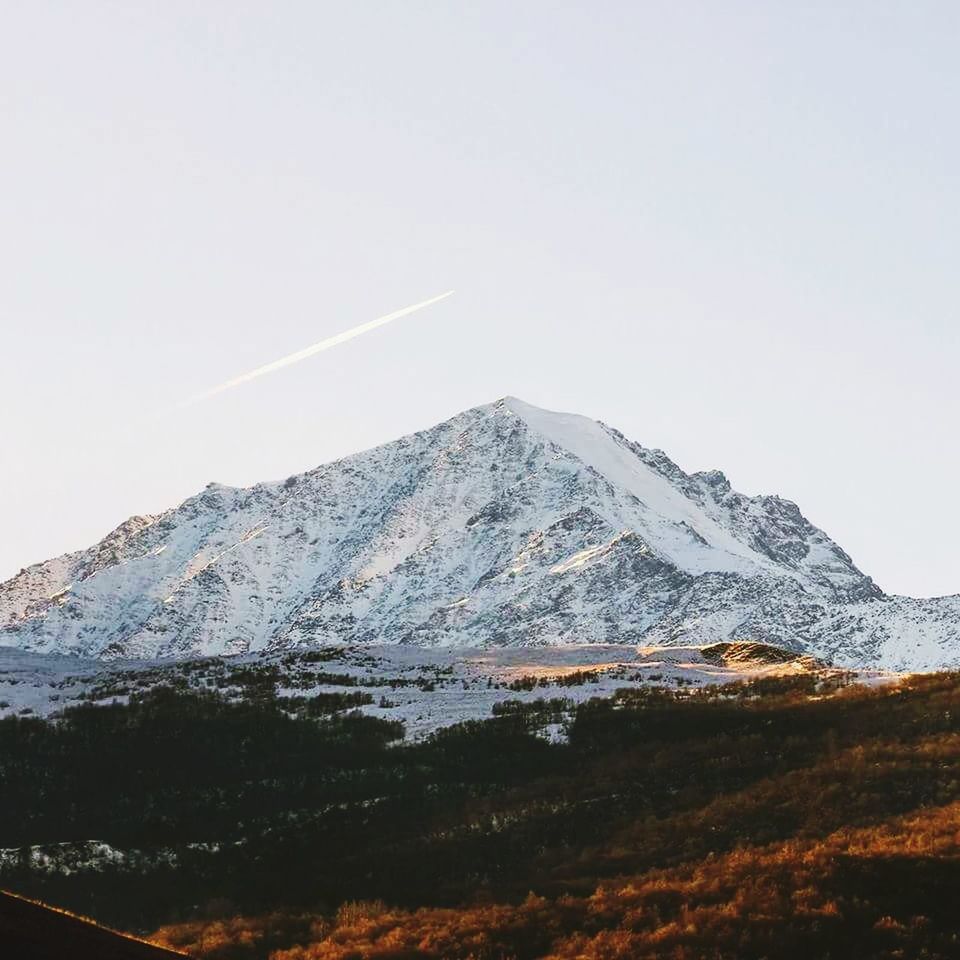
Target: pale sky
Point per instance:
(731, 230)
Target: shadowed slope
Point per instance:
(31, 931)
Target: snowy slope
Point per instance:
(506, 525)
(424, 688)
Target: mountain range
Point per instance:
(506, 525)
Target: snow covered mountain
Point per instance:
(506, 525)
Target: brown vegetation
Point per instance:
(800, 823)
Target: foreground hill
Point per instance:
(31, 931)
(506, 525)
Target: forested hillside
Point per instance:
(790, 817)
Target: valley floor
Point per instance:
(425, 689)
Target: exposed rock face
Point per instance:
(506, 525)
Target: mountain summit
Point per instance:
(506, 525)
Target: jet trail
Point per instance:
(333, 341)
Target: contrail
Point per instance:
(333, 341)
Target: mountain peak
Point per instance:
(507, 524)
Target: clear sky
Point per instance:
(730, 230)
